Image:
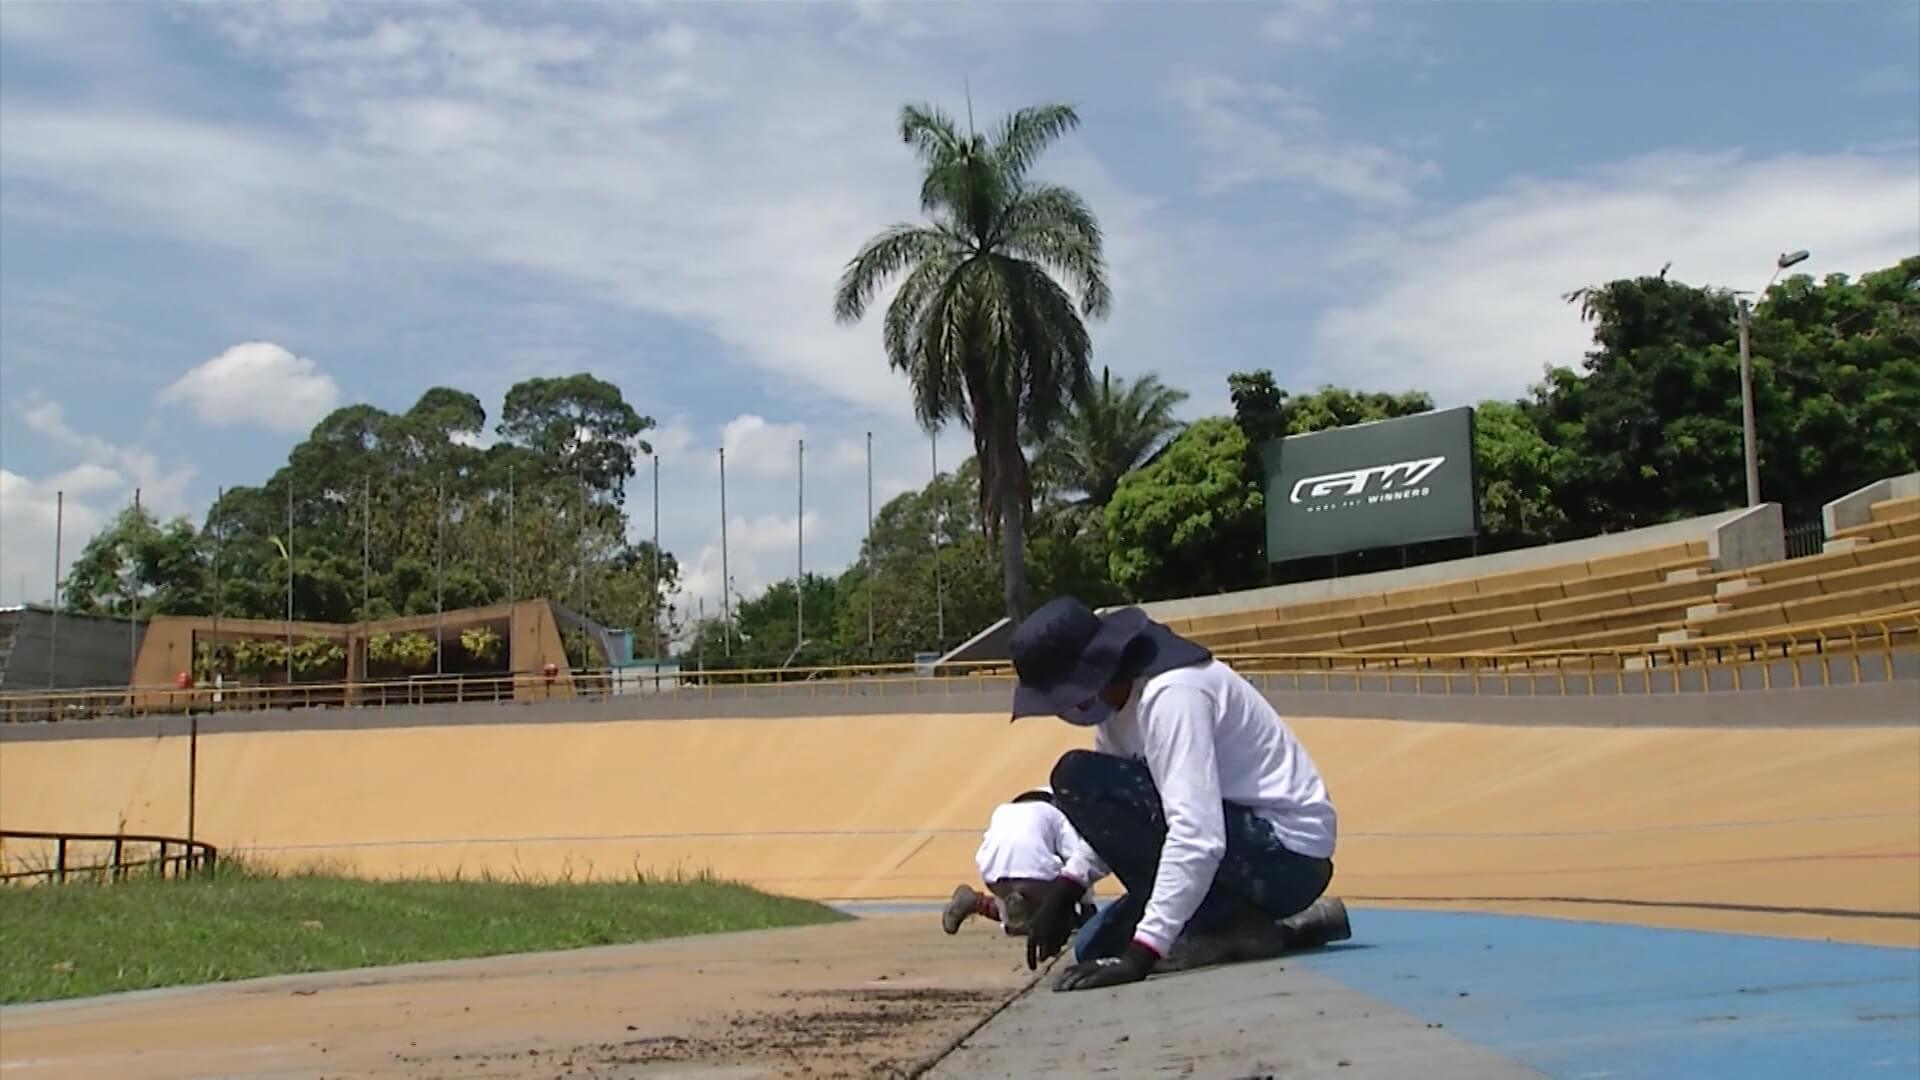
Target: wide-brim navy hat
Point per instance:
(1065, 654)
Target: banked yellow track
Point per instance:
(1800, 832)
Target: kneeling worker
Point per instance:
(1196, 794)
(1026, 843)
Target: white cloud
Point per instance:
(89, 478)
(674, 439)
(256, 382)
(93, 491)
(556, 149)
(161, 488)
(762, 503)
(1259, 133)
(1320, 24)
(658, 163)
(657, 160)
(27, 515)
(755, 445)
(760, 446)
(845, 454)
(1468, 303)
(760, 550)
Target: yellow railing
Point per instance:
(588, 685)
(1865, 647)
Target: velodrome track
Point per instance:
(1798, 846)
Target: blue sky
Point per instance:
(219, 220)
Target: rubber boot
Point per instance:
(964, 904)
(1324, 922)
(1255, 935)
(1018, 906)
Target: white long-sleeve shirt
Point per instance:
(1208, 736)
(1025, 840)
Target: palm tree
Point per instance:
(982, 324)
(1106, 435)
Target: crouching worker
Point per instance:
(1196, 795)
(1021, 854)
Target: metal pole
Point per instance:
(1750, 450)
(366, 579)
(53, 645)
(193, 771)
(939, 524)
(580, 549)
(800, 554)
(133, 601)
(726, 580)
(366, 550)
(289, 581)
(219, 593)
(513, 568)
(870, 545)
(654, 605)
(440, 579)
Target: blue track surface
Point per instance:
(1591, 1000)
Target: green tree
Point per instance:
(982, 324)
(139, 567)
(927, 571)
(1649, 428)
(1837, 383)
(1259, 406)
(1190, 522)
(579, 427)
(1264, 412)
(764, 628)
(403, 508)
(1516, 466)
(1069, 557)
(1106, 434)
(1652, 424)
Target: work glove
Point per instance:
(1134, 963)
(1052, 920)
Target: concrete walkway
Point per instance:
(1267, 1019)
(1440, 995)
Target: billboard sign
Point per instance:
(1379, 484)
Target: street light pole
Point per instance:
(1750, 442)
(1748, 448)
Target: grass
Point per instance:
(238, 922)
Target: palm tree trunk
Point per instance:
(1013, 527)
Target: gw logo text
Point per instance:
(1349, 485)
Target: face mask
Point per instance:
(1091, 713)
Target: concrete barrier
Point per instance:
(890, 807)
(1855, 507)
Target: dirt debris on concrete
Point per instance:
(870, 998)
(826, 1034)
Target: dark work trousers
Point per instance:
(1113, 804)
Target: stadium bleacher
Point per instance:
(1663, 594)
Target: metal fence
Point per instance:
(59, 856)
(1835, 652)
(1806, 538)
